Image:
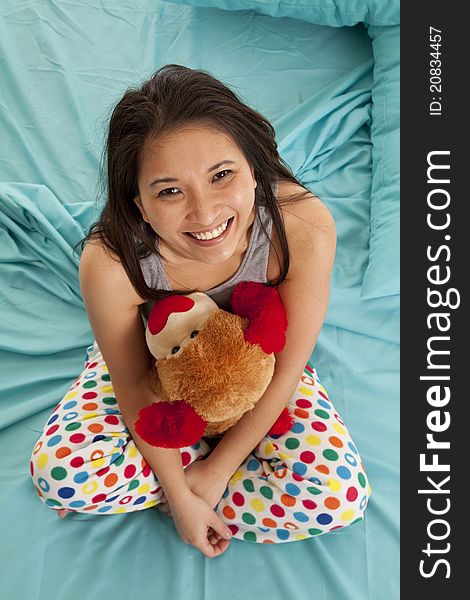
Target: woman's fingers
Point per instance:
(218, 548)
(164, 508)
(213, 537)
(218, 536)
(219, 527)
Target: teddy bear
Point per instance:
(211, 365)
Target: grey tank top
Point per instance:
(253, 268)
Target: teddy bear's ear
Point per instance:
(262, 306)
(164, 308)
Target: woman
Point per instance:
(199, 199)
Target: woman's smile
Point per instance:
(212, 236)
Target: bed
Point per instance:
(326, 74)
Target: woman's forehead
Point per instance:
(201, 146)
(201, 132)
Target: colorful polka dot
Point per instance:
(238, 499)
(343, 472)
(313, 440)
(253, 465)
(248, 518)
(228, 512)
(266, 491)
(352, 447)
(54, 440)
(87, 461)
(352, 494)
(248, 485)
(332, 503)
(339, 429)
(301, 516)
(73, 426)
(324, 519)
(349, 458)
(292, 443)
(66, 492)
(42, 460)
(258, 505)
(288, 500)
(330, 454)
(277, 510)
(334, 485)
(70, 405)
(81, 477)
(307, 457)
(297, 428)
(292, 489)
(335, 441)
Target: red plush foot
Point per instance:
(283, 424)
(170, 424)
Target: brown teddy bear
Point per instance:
(212, 366)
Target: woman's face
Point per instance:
(205, 205)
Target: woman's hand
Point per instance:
(198, 524)
(205, 481)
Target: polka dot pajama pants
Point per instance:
(304, 483)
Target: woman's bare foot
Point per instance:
(63, 512)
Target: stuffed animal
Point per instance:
(212, 366)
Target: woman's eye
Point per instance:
(168, 192)
(175, 349)
(223, 173)
(194, 333)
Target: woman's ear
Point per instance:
(253, 176)
(138, 201)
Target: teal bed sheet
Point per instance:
(327, 88)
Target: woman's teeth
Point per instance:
(210, 235)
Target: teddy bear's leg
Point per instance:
(304, 483)
(85, 459)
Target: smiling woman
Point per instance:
(233, 212)
(206, 127)
(207, 216)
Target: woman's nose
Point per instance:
(203, 209)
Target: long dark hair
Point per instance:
(176, 95)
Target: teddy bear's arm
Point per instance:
(170, 424)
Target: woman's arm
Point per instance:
(113, 311)
(311, 235)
